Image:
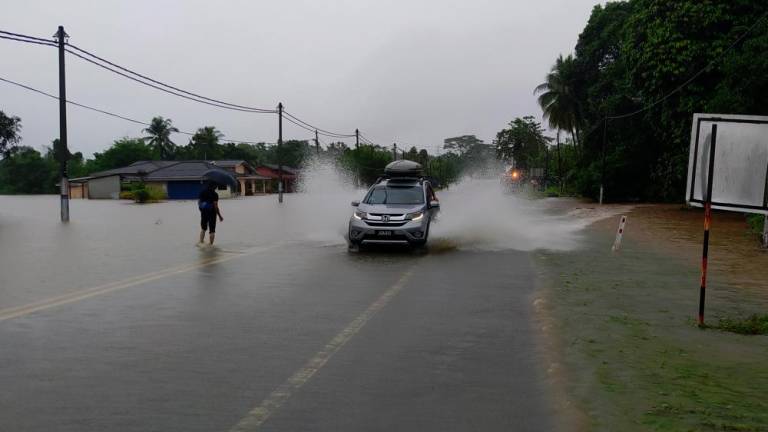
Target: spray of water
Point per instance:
(323, 202)
(476, 214)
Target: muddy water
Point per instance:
(110, 240)
(736, 261)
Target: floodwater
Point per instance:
(118, 321)
(108, 240)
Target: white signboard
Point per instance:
(740, 172)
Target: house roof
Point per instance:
(285, 168)
(172, 170)
(229, 163)
(134, 168)
(185, 170)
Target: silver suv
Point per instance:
(396, 210)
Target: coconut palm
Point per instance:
(159, 138)
(558, 98)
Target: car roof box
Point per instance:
(403, 168)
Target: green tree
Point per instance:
(25, 171)
(635, 56)
(160, 130)
(204, 144)
(10, 133)
(124, 151)
(292, 153)
(522, 142)
(461, 144)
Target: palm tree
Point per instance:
(558, 98)
(160, 131)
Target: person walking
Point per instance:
(208, 203)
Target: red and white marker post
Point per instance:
(619, 234)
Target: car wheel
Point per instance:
(353, 246)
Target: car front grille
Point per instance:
(384, 224)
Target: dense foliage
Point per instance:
(25, 170)
(634, 56)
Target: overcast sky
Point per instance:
(411, 72)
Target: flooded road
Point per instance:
(117, 321)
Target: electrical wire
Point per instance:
(367, 140)
(692, 78)
(156, 86)
(309, 129)
(49, 43)
(103, 60)
(125, 72)
(111, 114)
(19, 35)
(320, 130)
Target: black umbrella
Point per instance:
(220, 177)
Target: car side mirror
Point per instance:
(434, 204)
(355, 203)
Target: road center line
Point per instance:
(18, 311)
(257, 416)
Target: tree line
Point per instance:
(636, 56)
(24, 170)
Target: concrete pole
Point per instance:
(64, 182)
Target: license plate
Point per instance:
(384, 233)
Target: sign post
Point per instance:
(707, 224)
(726, 171)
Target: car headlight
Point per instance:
(360, 214)
(414, 216)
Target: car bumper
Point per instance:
(362, 233)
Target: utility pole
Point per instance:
(317, 143)
(64, 183)
(357, 138)
(280, 152)
(546, 168)
(559, 164)
(394, 151)
(602, 175)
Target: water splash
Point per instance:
(323, 204)
(477, 214)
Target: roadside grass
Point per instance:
(752, 325)
(634, 358)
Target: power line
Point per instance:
(310, 129)
(19, 35)
(164, 87)
(367, 140)
(687, 82)
(101, 59)
(111, 114)
(696, 75)
(320, 130)
(195, 99)
(49, 43)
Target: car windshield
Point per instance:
(396, 195)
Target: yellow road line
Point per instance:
(257, 416)
(18, 311)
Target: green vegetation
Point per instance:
(634, 358)
(634, 53)
(23, 170)
(752, 325)
(756, 223)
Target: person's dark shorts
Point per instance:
(208, 220)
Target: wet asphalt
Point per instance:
(281, 336)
